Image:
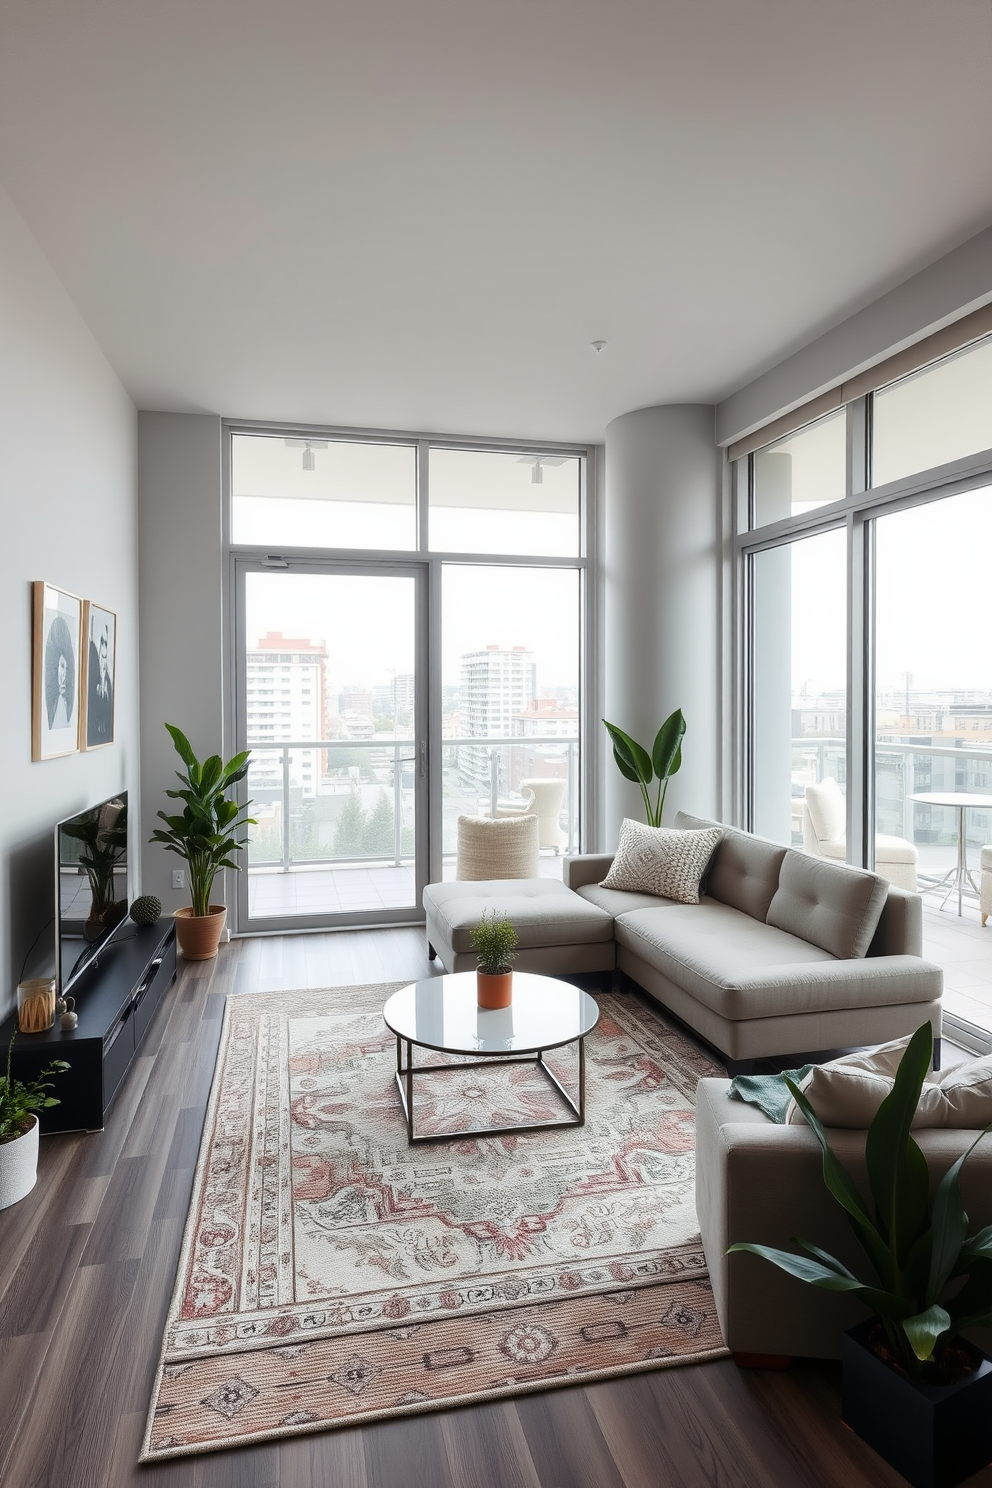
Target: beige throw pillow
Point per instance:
(661, 860)
(847, 1092)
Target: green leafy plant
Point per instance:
(931, 1279)
(206, 833)
(664, 761)
(495, 942)
(19, 1099)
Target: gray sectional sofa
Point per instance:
(785, 954)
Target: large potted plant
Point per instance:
(495, 942)
(914, 1388)
(665, 760)
(206, 837)
(19, 1100)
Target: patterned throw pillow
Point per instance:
(661, 860)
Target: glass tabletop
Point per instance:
(443, 1013)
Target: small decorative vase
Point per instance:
(495, 988)
(19, 1166)
(36, 1005)
(199, 935)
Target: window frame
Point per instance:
(585, 562)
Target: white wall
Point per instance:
(68, 504)
(943, 292)
(179, 478)
(663, 566)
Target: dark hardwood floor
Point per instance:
(87, 1264)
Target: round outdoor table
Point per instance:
(442, 1013)
(959, 876)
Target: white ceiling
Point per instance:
(420, 213)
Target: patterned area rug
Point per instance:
(331, 1274)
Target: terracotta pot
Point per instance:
(495, 988)
(19, 1166)
(199, 935)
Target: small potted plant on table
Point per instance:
(205, 836)
(914, 1388)
(19, 1100)
(495, 942)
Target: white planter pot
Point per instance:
(19, 1166)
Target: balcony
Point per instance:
(956, 942)
(335, 819)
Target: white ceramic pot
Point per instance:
(19, 1166)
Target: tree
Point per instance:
(378, 839)
(350, 831)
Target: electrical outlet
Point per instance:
(178, 878)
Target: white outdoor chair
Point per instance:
(825, 836)
(542, 798)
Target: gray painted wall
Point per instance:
(68, 493)
(663, 570)
(179, 479)
(959, 282)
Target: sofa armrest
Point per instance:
(900, 926)
(585, 868)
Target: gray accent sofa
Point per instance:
(762, 1182)
(730, 969)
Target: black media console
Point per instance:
(116, 998)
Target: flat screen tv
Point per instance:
(91, 885)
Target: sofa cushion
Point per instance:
(706, 948)
(745, 872)
(618, 901)
(661, 860)
(542, 910)
(847, 1092)
(829, 905)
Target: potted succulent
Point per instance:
(914, 1388)
(495, 942)
(664, 761)
(206, 837)
(19, 1100)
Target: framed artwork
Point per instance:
(55, 671)
(99, 676)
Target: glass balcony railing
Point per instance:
(904, 770)
(325, 803)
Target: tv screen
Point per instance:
(91, 884)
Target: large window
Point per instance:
(799, 698)
(409, 647)
(867, 699)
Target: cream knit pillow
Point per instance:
(661, 860)
(847, 1092)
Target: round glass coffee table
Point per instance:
(442, 1013)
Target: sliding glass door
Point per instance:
(332, 705)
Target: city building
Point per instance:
(286, 698)
(496, 685)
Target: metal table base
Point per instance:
(404, 1084)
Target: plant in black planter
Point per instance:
(908, 1373)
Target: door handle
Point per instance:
(423, 758)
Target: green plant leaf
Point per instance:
(845, 1191)
(633, 761)
(897, 1169)
(183, 747)
(925, 1329)
(666, 753)
(949, 1224)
